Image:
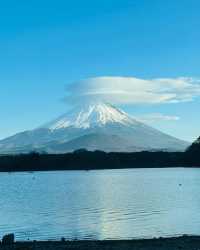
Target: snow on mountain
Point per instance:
(91, 115)
(94, 127)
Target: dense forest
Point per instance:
(87, 160)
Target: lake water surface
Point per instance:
(104, 204)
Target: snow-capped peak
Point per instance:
(91, 115)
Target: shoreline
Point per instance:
(91, 170)
(171, 243)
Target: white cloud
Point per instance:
(130, 90)
(156, 117)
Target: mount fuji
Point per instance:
(97, 126)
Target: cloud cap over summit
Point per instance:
(130, 90)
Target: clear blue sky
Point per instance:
(44, 45)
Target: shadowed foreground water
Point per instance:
(104, 204)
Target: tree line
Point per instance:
(87, 160)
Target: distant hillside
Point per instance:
(192, 154)
(86, 160)
(195, 147)
(82, 159)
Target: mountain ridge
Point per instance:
(114, 129)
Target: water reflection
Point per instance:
(100, 204)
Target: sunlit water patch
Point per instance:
(105, 204)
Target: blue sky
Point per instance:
(46, 45)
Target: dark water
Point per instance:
(100, 204)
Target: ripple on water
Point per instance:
(107, 204)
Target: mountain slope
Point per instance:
(98, 126)
(92, 142)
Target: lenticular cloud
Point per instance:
(130, 90)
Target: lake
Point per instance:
(103, 204)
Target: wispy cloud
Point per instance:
(130, 90)
(156, 117)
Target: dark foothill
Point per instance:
(63, 239)
(8, 239)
